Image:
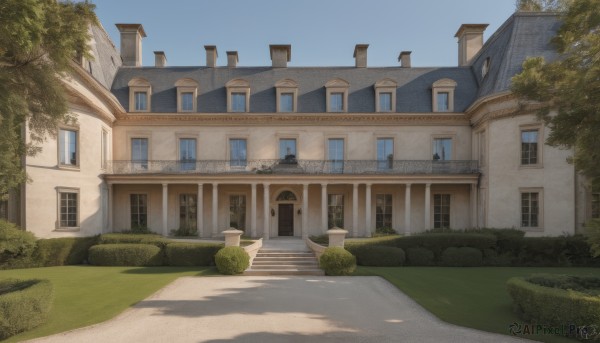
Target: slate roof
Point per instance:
(107, 59)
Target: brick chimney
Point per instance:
(281, 54)
(470, 41)
(360, 55)
(232, 59)
(131, 43)
(404, 59)
(160, 59)
(211, 55)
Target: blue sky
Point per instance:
(321, 32)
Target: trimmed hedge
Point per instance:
(378, 256)
(584, 284)
(232, 260)
(462, 257)
(125, 255)
(553, 306)
(337, 261)
(420, 257)
(62, 251)
(191, 254)
(438, 242)
(24, 304)
(14, 243)
(127, 238)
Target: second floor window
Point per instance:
(237, 153)
(141, 101)
(286, 102)
(187, 101)
(287, 150)
(385, 153)
(336, 102)
(187, 153)
(385, 102)
(335, 154)
(442, 149)
(139, 152)
(529, 147)
(67, 144)
(238, 102)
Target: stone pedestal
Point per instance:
(232, 237)
(337, 237)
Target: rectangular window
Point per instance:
(68, 210)
(529, 147)
(335, 151)
(385, 102)
(67, 147)
(287, 150)
(237, 212)
(530, 209)
(187, 153)
(104, 151)
(596, 205)
(139, 153)
(335, 213)
(442, 149)
(187, 212)
(385, 153)
(4, 209)
(139, 210)
(383, 211)
(238, 102)
(187, 101)
(441, 211)
(141, 101)
(237, 153)
(443, 104)
(286, 102)
(336, 102)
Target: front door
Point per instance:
(286, 220)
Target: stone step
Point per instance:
(307, 258)
(284, 266)
(262, 254)
(313, 272)
(284, 251)
(274, 262)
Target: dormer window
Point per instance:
(238, 102)
(287, 95)
(238, 95)
(187, 92)
(337, 95)
(140, 93)
(385, 95)
(442, 94)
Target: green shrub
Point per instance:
(125, 255)
(14, 243)
(321, 239)
(419, 257)
(385, 231)
(553, 306)
(24, 304)
(232, 260)
(120, 238)
(593, 231)
(438, 242)
(185, 232)
(377, 256)
(492, 258)
(585, 284)
(191, 254)
(337, 261)
(462, 257)
(62, 251)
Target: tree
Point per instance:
(38, 41)
(541, 5)
(568, 89)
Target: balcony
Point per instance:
(298, 167)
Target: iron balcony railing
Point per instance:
(287, 166)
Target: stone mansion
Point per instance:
(293, 151)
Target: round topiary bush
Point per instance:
(462, 257)
(379, 256)
(419, 256)
(14, 243)
(337, 261)
(24, 304)
(232, 260)
(125, 255)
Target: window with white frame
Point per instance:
(337, 95)
(529, 147)
(287, 94)
(237, 152)
(385, 95)
(385, 153)
(442, 149)
(441, 211)
(238, 95)
(138, 210)
(530, 209)
(140, 93)
(187, 153)
(237, 211)
(383, 211)
(68, 208)
(335, 212)
(139, 153)
(442, 95)
(335, 154)
(187, 212)
(68, 154)
(187, 91)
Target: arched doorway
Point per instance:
(285, 210)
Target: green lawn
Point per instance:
(86, 295)
(471, 297)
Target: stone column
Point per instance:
(473, 204)
(407, 209)
(267, 213)
(165, 210)
(215, 208)
(324, 207)
(355, 210)
(200, 210)
(428, 206)
(368, 210)
(253, 210)
(305, 211)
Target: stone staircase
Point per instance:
(284, 262)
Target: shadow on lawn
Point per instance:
(200, 271)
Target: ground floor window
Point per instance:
(596, 205)
(187, 211)
(529, 209)
(4, 209)
(441, 211)
(383, 211)
(237, 212)
(68, 209)
(139, 210)
(335, 213)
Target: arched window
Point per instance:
(286, 196)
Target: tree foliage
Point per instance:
(38, 41)
(541, 5)
(568, 88)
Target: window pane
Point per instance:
(441, 211)
(335, 206)
(286, 102)
(336, 102)
(442, 149)
(237, 212)
(336, 154)
(385, 153)
(141, 101)
(68, 210)
(187, 212)
(187, 153)
(139, 152)
(67, 145)
(139, 211)
(442, 102)
(287, 149)
(383, 211)
(237, 152)
(187, 101)
(385, 102)
(529, 147)
(238, 102)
